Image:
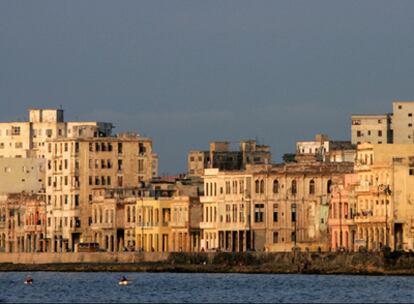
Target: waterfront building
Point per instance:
(220, 156)
(23, 139)
(385, 208)
(226, 221)
(342, 209)
(114, 218)
(22, 223)
(269, 207)
(168, 224)
(77, 166)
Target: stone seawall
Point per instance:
(298, 262)
(71, 257)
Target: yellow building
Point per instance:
(168, 224)
(385, 214)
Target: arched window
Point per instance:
(257, 183)
(312, 187)
(275, 186)
(329, 186)
(293, 187)
(262, 186)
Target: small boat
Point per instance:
(123, 281)
(28, 281)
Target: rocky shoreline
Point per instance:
(264, 263)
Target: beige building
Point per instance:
(221, 156)
(402, 122)
(22, 174)
(385, 214)
(269, 207)
(27, 139)
(77, 166)
(374, 129)
(226, 221)
(114, 218)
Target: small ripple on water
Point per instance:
(206, 288)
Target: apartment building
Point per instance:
(385, 209)
(342, 210)
(324, 149)
(375, 129)
(22, 223)
(269, 207)
(396, 127)
(77, 166)
(226, 220)
(27, 139)
(402, 122)
(221, 156)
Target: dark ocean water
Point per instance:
(203, 288)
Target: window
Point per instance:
(15, 131)
(410, 114)
(359, 133)
(275, 186)
(227, 213)
(328, 186)
(293, 218)
(379, 133)
(312, 187)
(275, 237)
(257, 186)
(410, 124)
(369, 132)
(379, 121)
(275, 213)
(227, 187)
(262, 186)
(258, 213)
(399, 107)
(411, 171)
(293, 187)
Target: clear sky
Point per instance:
(189, 72)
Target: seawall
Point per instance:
(298, 262)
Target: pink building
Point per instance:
(342, 209)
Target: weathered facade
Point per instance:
(22, 223)
(76, 167)
(221, 157)
(385, 215)
(342, 210)
(270, 208)
(27, 139)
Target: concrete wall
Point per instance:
(70, 257)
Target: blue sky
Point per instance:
(189, 72)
